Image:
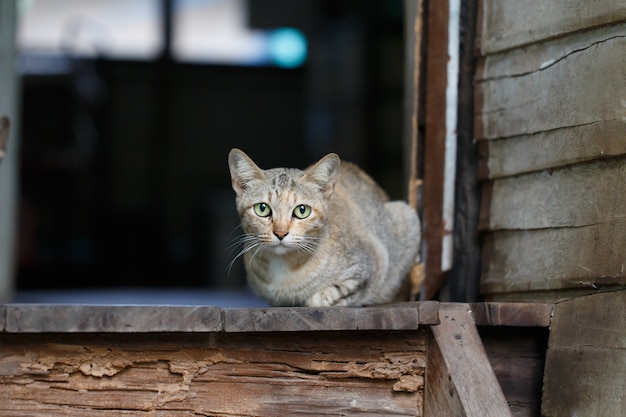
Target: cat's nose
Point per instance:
(280, 234)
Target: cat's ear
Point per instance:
(242, 170)
(324, 173)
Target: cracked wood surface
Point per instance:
(550, 124)
(269, 374)
(552, 104)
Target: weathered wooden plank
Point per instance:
(65, 318)
(507, 24)
(517, 356)
(532, 58)
(575, 196)
(561, 144)
(585, 257)
(308, 319)
(434, 146)
(551, 149)
(586, 358)
(466, 362)
(43, 318)
(274, 374)
(512, 314)
(543, 99)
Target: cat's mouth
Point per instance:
(281, 247)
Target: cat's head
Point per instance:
(282, 209)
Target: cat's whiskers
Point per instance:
(308, 244)
(249, 243)
(239, 240)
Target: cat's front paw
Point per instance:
(335, 295)
(325, 298)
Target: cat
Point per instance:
(325, 236)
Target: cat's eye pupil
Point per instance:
(262, 209)
(302, 211)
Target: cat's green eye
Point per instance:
(262, 209)
(302, 211)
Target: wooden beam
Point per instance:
(468, 386)
(434, 144)
(414, 17)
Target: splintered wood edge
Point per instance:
(64, 318)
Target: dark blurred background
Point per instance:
(129, 109)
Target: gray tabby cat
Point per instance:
(326, 236)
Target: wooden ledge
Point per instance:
(67, 318)
(63, 318)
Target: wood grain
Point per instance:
(586, 358)
(434, 146)
(551, 122)
(466, 361)
(551, 149)
(575, 196)
(587, 257)
(576, 88)
(507, 24)
(66, 318)
(531, 121)
(276, 374)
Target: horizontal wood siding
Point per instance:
(573, 196)
(550, 122)
(509, 24)
(553, 103)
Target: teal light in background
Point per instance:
(287, 47)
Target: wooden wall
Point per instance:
(550, 122)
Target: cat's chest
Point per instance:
(282, 275)
(278, 270)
